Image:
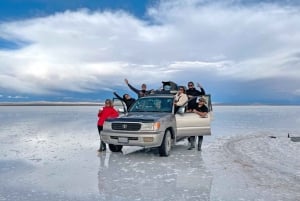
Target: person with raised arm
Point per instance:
(192, 93)
(140, 92)
(126, 99)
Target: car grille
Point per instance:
(126, 126)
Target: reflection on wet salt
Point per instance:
(49, 153)
(143, 175)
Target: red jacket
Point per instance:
(105, 113)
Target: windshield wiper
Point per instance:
(137, 110)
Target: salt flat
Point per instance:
(49, 153)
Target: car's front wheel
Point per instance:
(165, 147)
(115, 148)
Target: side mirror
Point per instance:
(181, 110)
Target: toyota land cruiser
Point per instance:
(151, 122)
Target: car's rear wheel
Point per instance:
(165, 147)
(115, 148)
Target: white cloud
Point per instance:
(186, 40)
(297, 92)
(16, 97)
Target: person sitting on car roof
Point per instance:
(180, 98)
(142, 92)
(192, 93)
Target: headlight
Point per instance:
(107, 125)
(150, 126)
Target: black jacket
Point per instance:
(140, 93)
(194, 92)
(128, 102)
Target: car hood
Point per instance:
(141, 117)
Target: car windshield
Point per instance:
(153, 104)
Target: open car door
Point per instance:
(119, 105)
(191, 124)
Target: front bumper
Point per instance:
(153, 139)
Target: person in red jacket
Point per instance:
(107, 111)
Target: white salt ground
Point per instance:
(49, 153)
(255, 167)
(237, 168)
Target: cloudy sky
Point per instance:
(81, 50)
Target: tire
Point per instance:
(115, 148)
(165, 147)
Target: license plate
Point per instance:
(123, 139)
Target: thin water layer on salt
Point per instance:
(255, 167)
(49, 153)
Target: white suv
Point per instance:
(151, 122)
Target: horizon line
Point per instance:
(89, 103)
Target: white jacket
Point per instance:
(180, 99)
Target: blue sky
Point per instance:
(81, 50)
